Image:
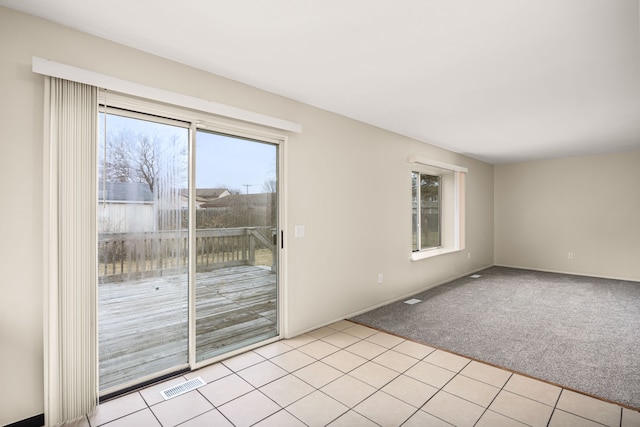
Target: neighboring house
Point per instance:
(125, 207)
(249, 210)
(203, 196)
(130, 207)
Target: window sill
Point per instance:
(417, 256)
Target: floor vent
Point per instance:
(182, 388)
(476, 276)
(412, 301)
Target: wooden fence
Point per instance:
(129, 256)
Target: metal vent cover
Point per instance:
(183, 388)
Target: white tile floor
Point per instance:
(350, 375)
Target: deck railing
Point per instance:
(128, 256)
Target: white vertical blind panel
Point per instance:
(73, 134)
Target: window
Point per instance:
(437, 212)
(426, 211)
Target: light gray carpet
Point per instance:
(579, 332)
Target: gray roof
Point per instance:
(241, 199)
(125, 191)
(205, 194)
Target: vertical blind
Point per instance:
(70, 232)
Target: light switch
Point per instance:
(299, 230)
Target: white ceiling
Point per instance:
(498, 80)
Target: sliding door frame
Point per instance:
(197, 120)
(213, 126)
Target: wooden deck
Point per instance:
(143, 326)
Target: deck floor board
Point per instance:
(143, 324)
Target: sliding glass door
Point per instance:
(154, 230)
(143, 283)
(236, 253)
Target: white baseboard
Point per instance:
(571, 273)
(389, 301)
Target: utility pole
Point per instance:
(247, 185)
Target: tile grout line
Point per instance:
(367, 360)
(245, 394)
(215, 408)
(622, 405)
(441, 389)
(288, 373)
(403, 373)
(278, 405)
(377, 389)
(284, 408)
(578, 415)
(493, 400)
(151, 410)
(289, 412)
(621, 411)
(555, 406)
(460, 397)
(125, 415)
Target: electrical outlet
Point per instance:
(570, 255)
(468, 255)
(380, 278)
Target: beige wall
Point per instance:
(347, 182)
(587, 205)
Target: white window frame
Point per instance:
(452, 206)
(417, 215)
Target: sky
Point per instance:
(221, 161)
(233, 163)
